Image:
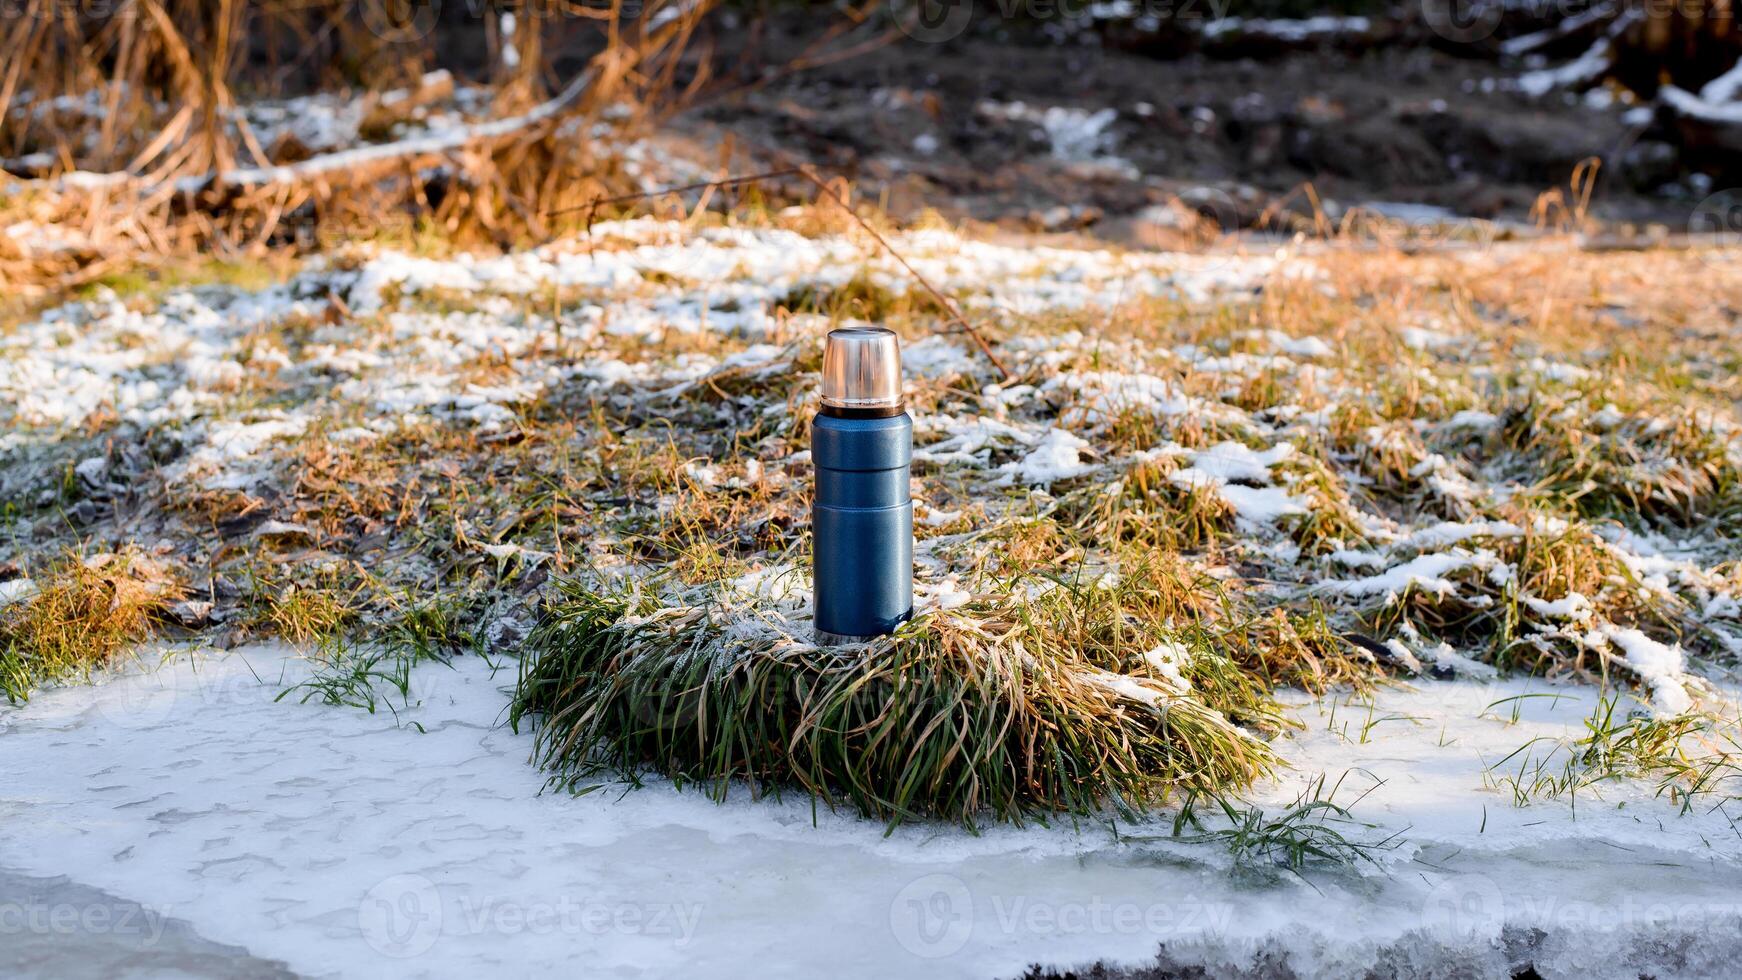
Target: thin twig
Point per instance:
(944, 301)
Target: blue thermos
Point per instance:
(862, 517)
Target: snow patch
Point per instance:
(1058, 456)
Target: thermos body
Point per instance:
(862, 523)
(862, 515)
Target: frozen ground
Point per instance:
(1507, 455)
(189, 815)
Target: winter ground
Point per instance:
(1523, 455)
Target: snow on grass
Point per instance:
(1426, 573)
(751, 267)
(671, 334)
(1057, 456)
(1453, 532)
(149, 367)
(1660, 666)
(1168, 658)
(1261, 505)
(183, 359)
(1150, 694)
(1297, 346)
(1101, 396)
(1218, 467)
(936, 357)
(1227, 462)
(223, 461)
(967, 440)
(1573, 606)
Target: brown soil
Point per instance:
(1392, 124)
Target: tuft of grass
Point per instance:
(80, 614)
(1689, 757)
(1330, 523)
(1312, 831)
(860, 297)
(1147, 509)
(376, 672)
(152, 282)
(1299, 649)
(1002, 708)
(306, 616)
(363, 675)
(1655, 462)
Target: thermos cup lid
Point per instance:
(862, 368)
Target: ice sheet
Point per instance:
(346, 844)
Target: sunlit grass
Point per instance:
(79, 615)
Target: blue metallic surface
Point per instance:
(862, 522)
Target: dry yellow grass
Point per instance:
(79, 616)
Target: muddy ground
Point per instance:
(929, 125)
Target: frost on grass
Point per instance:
(1004, 706)
(1313, 470)
(77, 615)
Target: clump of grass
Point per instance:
(80, 615)
(1394, 462)
(1314, 830)
(1690, 757)
(375, 671)
(1499, 611)
(1298, 648)
(304, 616)
(1330, 523)
(1659, 462)
(1012, 546)
(1147, 509)
(362, 675)
(860, 297)
(433, 628)
(1002, 708)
